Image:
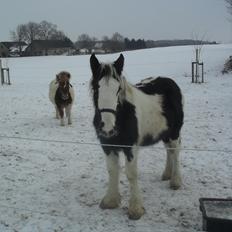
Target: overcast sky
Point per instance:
(148, 19)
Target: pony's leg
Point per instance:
(136, 209)
(61, 113)
(68, 113)
(172, 168)
(112, 198)
(57, 112)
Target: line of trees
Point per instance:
(44, 30)
(115, 43)
(37, 31)
(48, 31)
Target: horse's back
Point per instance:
(158, 85)
(172, 100)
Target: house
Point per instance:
(4, 51)
(83, 51)
(98, 48)
(49, 47)
(12, 48)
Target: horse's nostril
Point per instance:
(101, 125)
(113, 132)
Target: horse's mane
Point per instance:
(108, 71)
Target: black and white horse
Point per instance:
(61, 94)
(131, 116)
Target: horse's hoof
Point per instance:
(165, 177)
(110, 203)
(174, 187)
(175, 184)
(136, 214)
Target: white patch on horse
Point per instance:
(151, 121)
(108, 102)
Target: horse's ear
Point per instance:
(119, 63)
(57, 77)
(94, 64)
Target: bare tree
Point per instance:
(19, 36)
(58, 35)
(47, 30)
(85, 41)
(117, 42)
(19, 33)
(105, 38)
(229, 6)
(32, 31)
(117, 37)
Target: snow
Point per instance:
(57, 186)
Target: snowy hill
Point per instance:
(52, 178)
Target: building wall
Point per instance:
(4, 52)
(39, 51)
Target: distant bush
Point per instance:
(227, 66)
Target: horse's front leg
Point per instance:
(57, 112)
(112, 198)
(68, 113)
(61, 113)
(136, 209)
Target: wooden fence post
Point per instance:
(1, 73)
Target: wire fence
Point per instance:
(113, 145)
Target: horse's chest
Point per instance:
(61, 100)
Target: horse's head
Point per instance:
(107, 85)
(63, 84)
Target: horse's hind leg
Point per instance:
(172, 168)
(112, 198)
(136, 209)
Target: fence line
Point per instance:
(112, 145)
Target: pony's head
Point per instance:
(108, 88)
(62, 79)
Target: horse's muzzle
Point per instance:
(109, 134)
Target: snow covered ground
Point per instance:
(57, 186)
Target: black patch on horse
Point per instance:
(126, 124)
(172, 103)
(63, 97)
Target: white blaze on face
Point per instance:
(108, 99)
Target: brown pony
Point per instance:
(61, 94)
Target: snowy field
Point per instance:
(52, 186)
